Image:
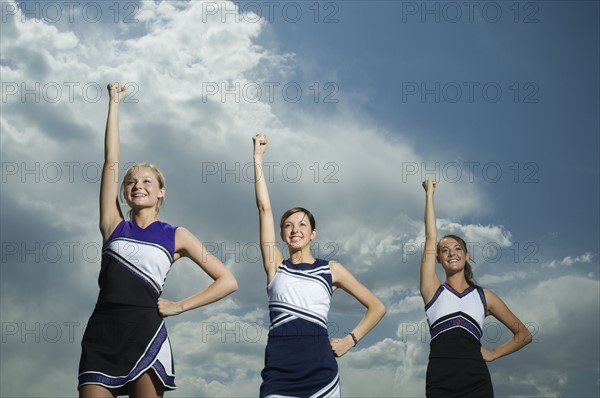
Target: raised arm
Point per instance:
(271, 254)
(344, 279)
(521, 335)
(110, 212)
(187, 245)
(429, 281)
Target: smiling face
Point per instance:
(143, 187)
(297, 231)
(452, 254)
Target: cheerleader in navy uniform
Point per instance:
(299, 357)
(455, 313)
(125, 347)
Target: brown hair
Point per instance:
(159, 176)
(463, 245)
(294, 210)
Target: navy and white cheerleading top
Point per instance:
(299, 297)
(456, 322)
(126, 336)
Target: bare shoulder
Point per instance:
(184, 233)
(490, 296)
(341, 276)
(494, 302)
(181, 232)
(186, 241)
(337, 269)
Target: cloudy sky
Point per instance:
(360, 100)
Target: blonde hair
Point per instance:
(159, 176)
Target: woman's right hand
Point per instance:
(429, 185)
(116, 92)
(260, 143)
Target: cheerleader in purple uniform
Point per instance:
(299, 357)
(125, 347)
(455, 313)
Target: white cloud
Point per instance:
(475, 233)
(512, 276)
(410, 302)
(569, 261)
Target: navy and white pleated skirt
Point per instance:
(300, 367)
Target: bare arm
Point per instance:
(271, 254)
(187, 245)
(429, 281)
(110, 212)
(344, 279)
(521, 335)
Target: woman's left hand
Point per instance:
(167, 307)
(341, 346)
(487, 354)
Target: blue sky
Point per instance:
(360, 100)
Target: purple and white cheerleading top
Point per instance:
(126, 336)
(147, 253)
(456, 322)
